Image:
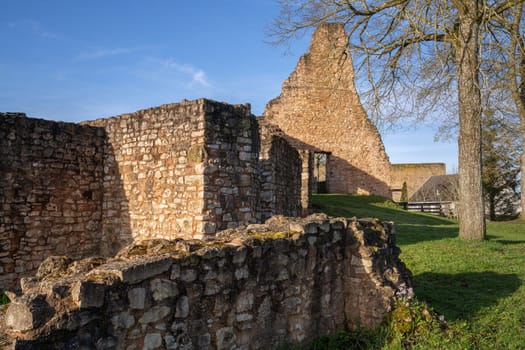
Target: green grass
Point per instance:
(3, 298)
(478, 286)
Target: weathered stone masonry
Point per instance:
(176, 171)
(51, 177)
(186, 169)
(288, 280)
(160, 186)
(319, 110)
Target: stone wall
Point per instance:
(319, 110)
(415, 175)
(287, 281)
(181, 170)
(51, 190)
(187, 169)
(307, 181)
(280, 169)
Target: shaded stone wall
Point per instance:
(287, 281)
(415, 175)
(51, 191)
(230, 166)
(319, 110)
(307, 181)
(280, 169)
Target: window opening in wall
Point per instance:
(320, 171)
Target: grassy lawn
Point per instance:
(478, 286)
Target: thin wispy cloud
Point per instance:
(34, 27)
(197, 75)
(105, 53)
(171, 69)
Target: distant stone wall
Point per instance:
(319, 110)
(51, 191)
(287, 281)
(415, 175)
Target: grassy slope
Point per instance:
(478, 286)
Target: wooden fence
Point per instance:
(437, 208)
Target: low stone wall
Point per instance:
(289, 280)
(51, 189)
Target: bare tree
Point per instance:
(503, 72)
(514, 23)
(416, 45)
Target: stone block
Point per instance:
(28, 312)
(244, 302)
(88, 294)
(182, 309)
(225, 338)
(123, 320)
(136, 298)
(152, 341)
(134, 271)
(155, 314)
(163, 289)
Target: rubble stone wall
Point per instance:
(280, 169)
(319, 110)
(51, 192)
(231, 175)
(154, 155)
(187, 170)
(287, 281)
(181, 170)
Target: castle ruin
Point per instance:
(173, 198)
(319, 111)
(176, 171)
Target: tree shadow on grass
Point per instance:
(412, 234)
(412, 227)
(504, 241)
(460, 296)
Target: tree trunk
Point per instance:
(522, 181)
(471, 209)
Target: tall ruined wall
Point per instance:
(51, 189)
(415, 175)
(151, 185)
(230, 172)
(280, 169)
(288, 281)
(186, 170)
(319, 109)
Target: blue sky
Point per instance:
(75, 60)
